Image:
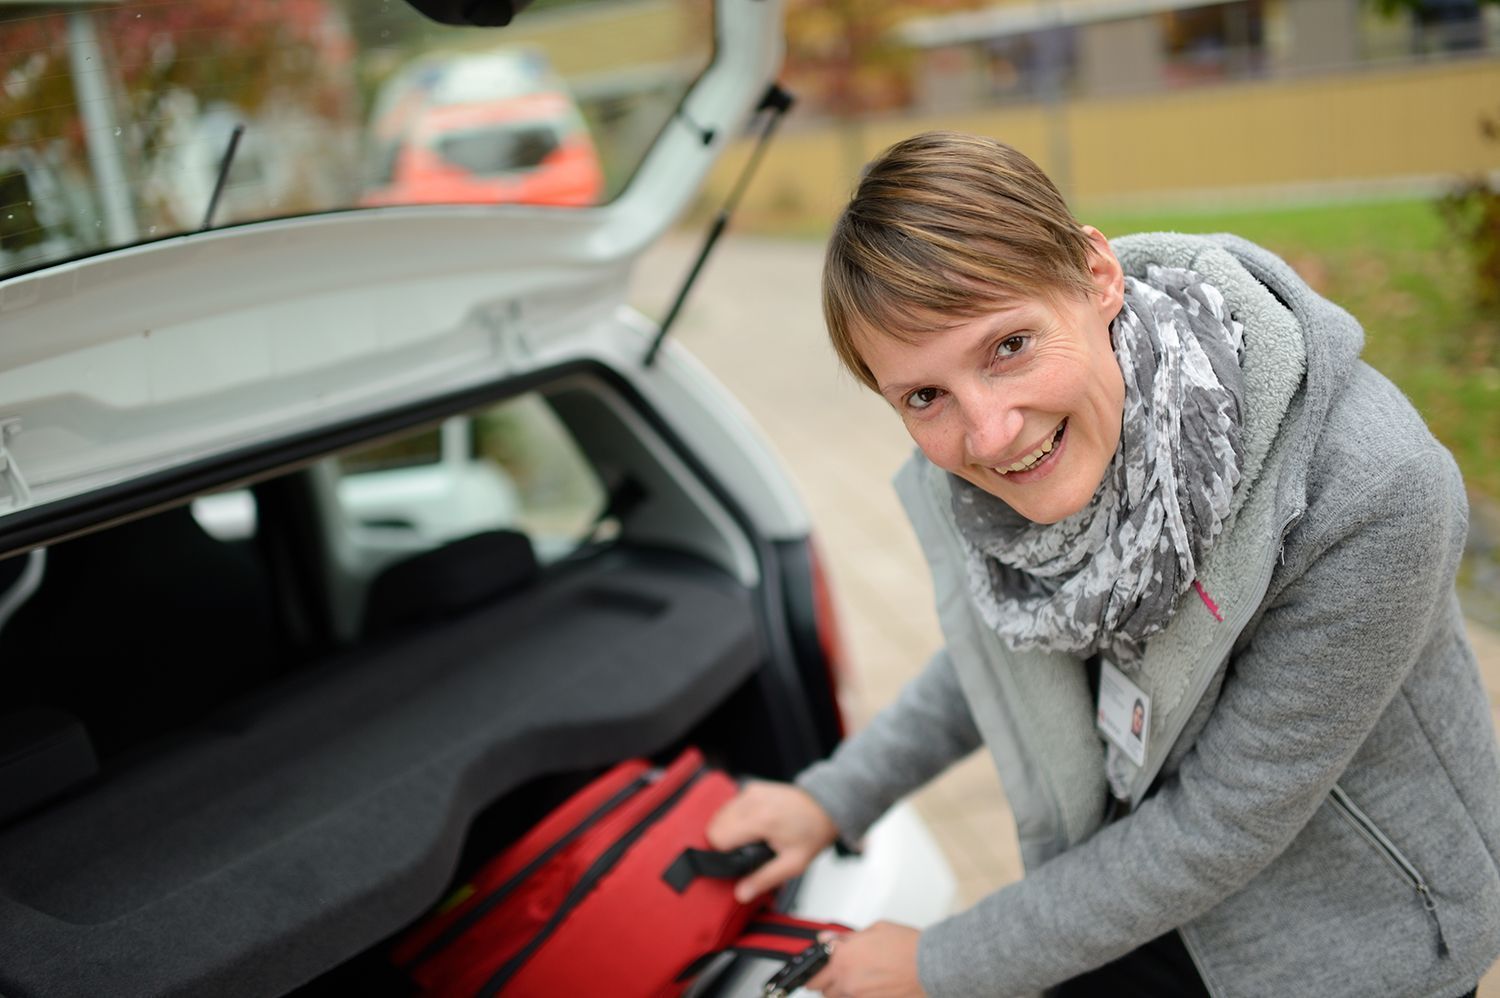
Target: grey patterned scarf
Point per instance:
(1106, 578)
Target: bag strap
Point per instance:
(770, 936)
(782, 935)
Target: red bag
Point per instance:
(615, 892)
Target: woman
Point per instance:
(1155, 470)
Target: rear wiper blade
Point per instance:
(228, 158)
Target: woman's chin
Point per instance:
(1038, 504)
(1049, 511)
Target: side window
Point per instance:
(512, 466)
(227, 516)
(411, 451)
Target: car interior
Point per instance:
(245, 745)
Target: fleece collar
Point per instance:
(1332, 339)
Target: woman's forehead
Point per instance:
(916, 326)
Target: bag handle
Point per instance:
(731, 864)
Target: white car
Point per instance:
(338, 545)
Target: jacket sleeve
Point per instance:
(1305, 689)
(926, 729)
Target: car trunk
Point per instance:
(276, 794)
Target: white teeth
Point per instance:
(1031, 459)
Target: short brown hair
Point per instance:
(946, 225)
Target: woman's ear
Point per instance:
(1109, 277)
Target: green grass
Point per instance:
(1396, 267)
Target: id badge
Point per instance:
(1124, 715)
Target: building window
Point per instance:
(1203, 44)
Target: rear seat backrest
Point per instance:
(141, 628)
(449, 580)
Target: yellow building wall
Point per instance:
(599, 38)
(809, 173)
(1412, 122)
(1392, 124)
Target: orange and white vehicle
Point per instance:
(495, 127)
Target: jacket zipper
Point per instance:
(586, 883)
(1216, 655)
(1378, 839)
(487, 904)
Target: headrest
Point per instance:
(449, 580)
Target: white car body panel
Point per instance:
(900, 875)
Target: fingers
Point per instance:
(823, 981)
(878, 961)
(775, 873)
(728, 829)
(748, 817)
(791, 822)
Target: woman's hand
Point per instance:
(787, 818)
(880, 962)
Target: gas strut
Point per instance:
(772, 108)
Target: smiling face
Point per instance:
(1024, 401)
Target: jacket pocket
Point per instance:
(1404, 867)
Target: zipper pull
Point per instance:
(1429, 905)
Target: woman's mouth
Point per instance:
(1038, 458)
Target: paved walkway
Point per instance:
(754, 320)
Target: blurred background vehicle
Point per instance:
(490, 127)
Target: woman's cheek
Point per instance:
(936, 440)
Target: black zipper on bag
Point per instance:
(781, 929)
(586, 883)
(1372, 834)
(461, 925)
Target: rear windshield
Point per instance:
(117, 119)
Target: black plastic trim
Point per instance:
(794, 559)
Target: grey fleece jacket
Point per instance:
(1326, 818)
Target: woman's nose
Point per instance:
(991, 429)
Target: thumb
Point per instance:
(775, 873)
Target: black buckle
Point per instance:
(799, 970)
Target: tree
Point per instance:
(843, 58)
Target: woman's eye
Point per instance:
(1010, 346)
(921, 398)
